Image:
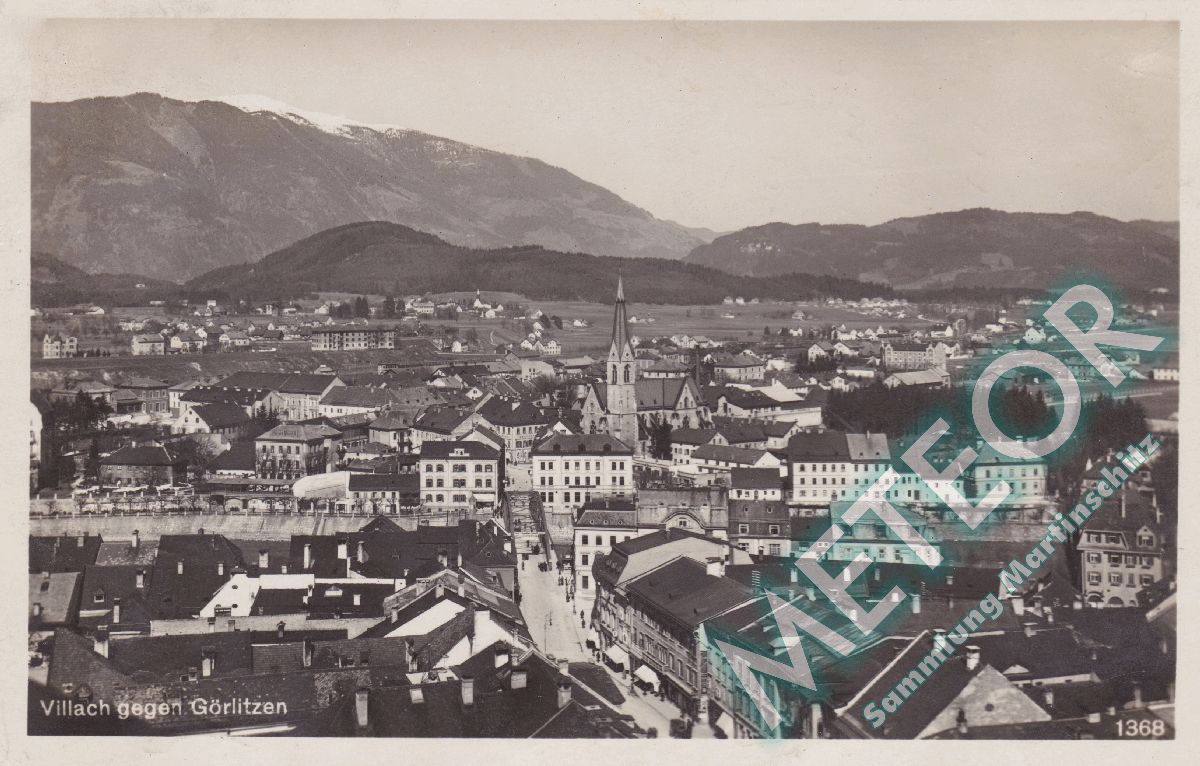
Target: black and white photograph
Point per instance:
(602, 379)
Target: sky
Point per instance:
(711, 124)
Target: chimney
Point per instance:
(1029, 628)
(564, 693)
(212, 624)
(36, 609)
(715, 567)
(916, 603)
(562, 666)
(443, 560)
(279, 630)
(973, 653)
(208, 661)
(179, 567)
(100, 641)
(501, 655)
(395, 615)
(1077, 603)
(1048, 697)
(307, 651)
(518, 678)
(940, 642)
(439, 591)
(793, 575)
(220, 568)
(1137, 697)
(482, 618)
(308, 555)
(961, 722)
(135, 541)
(1093, 718)
(116, 610)
(1018, 605)
(460, 559)
(416, 695)
(358, 599)
(468, 691)
(343, 550)
(79, 540)
(361, 553)
(360, 708)
(139, 579)
(264, 558)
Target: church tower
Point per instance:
(621, 378)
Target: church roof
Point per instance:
(620, 333)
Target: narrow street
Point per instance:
(553, 622)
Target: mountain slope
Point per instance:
(171, 189)
(55, 283)
(967, 248)
(375, 256)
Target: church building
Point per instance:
(625, 405)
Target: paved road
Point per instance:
(553, 622)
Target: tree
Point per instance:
(660, 439)
(389, 307)
(66, 468)
(91, 468)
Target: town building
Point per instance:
(291, 451)
(570, 469)
(460, 476)
(56, 346)
(144, 466)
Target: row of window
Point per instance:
(614, 465)
(459, 483)
(440, 498)
(1117, 578)
(580, 481)
(1116, 559)
(487, 467)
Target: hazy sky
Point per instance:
(719, 124)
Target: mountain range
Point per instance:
(171, 189)
(967, 248)
(378, 256)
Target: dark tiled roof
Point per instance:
(289, 383)
(222, 415)
(174, 595)
(239, 457)
(755, 478)
(142, 456)
(581, 444)
(438, 450)
(683, 591)
(63, 554)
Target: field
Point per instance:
(747, 324)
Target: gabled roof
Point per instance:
(684, 591)
(724, 454)
(442, 450)
(141, 456)
(299, 432)
(581, 444)
(221, 415)
(67, 553)
(288, 383)
(755, 478)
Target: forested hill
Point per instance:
(376, 256)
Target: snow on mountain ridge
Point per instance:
(330, 123)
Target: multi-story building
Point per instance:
(298, 395)
(148, 345)
(352, 338)
(570, 469)
(661, 616)
(755, 484)
(294, 450)
(145, 466)
(717, 459)
(1123, 549)
(520, 424)
(59, 346)
(460, 476)
(440, 424)
(761, 527)
(151, 393)
(739, 368)
(900, 355)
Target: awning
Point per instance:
(617, 656)
(644, 673)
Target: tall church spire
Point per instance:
(620, 348)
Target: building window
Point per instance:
(584, 540)
(1093, 558)
(743, 529)
(1114, 578)
(583, 559)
